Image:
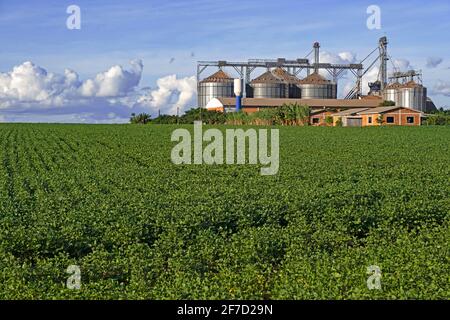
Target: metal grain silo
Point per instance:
(292, 83)
(413, 96)
(215, 86)
(268, 85)
(317, 87)
(392, 93)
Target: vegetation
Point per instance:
(379, 119)
(108, 199)
(439, 117)
(288, 114)
(387, 103)
(329, 120)
(141, 118)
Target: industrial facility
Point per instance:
(299, 81)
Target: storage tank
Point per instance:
(392, 93)
(217, 85)
(292, 83)
(413, 95)
(268, 85)
(315, 86)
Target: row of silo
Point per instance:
(281, 84)
(277, 84)
(409, 95)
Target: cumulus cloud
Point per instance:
(433, 62)
(114, 82)
(345, 57)
(29, 83)
(172, 94)
(340, 58)
(31, 92)
(403, 65)
(442, 87)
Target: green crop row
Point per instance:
(108, 199)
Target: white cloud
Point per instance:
(29, 83)
(433, 62)
(171, 94)
(340, 58)
(31, 91)
(442, 88)
(403, 65)
(114, 82)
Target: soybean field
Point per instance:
(108, 200)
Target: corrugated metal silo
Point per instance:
(391, 93)
(268, 85)
(317, 87)
(217, 85)
(413, 96)
(292, 89)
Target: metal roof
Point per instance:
(350, 112)
(314, 78)
(219, 76)
(385, 109)
(285, 76)
(267, 77)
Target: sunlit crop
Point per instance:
(108, 199)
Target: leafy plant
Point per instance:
(108, 199)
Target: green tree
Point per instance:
(329, 120)
(387, 103)
(142, 118)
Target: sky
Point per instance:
(140, 56)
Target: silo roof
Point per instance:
(285, 76)
(394, 85)
(411, 84)
(267, 77)
(314, 78)
(219, 76)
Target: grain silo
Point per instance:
(391, 93)
(292, 89)
(413, 96)
(315, 86)
(268, 85)
(217, 85)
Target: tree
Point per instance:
(380, 120)
(387, 103)
(329, 120)
(142, 118)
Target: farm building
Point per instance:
(399, 116)
(363, 117)
(320, 117)
(349, 118)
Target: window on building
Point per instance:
(409, 119)
(315, 120)
(370, 120)
(390, 120)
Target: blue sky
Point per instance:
(170, 36)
